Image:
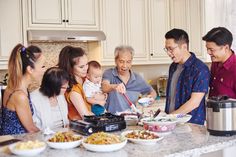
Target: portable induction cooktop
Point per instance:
(91, 124)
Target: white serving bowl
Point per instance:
(145, 101)
(104, 147)
(65, 145)
(26, 152)
(159, 124)
(181, 118)
(142, 141)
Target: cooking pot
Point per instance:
(221, 116)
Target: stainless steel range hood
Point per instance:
(64, 36)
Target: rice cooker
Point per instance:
(221, 116)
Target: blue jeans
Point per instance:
(97, 109)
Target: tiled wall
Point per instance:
(51, 51)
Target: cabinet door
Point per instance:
(159, 25)
(82, 14)
(112, 24)
(46, 13)
(189, 16)
(137, 28)
(10, 28)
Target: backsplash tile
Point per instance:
(51, 52)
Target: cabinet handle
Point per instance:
(70, 38)
(151, 54)
(63, 20)
(67, 20)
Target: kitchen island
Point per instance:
(186, 140)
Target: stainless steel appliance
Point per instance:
(161, 85)
(221, 116)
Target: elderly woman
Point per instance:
(49, 101)
(121, 79)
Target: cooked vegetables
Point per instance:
(64, 137)
(141, 134)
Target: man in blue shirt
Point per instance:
(122, 80)
(188, 78)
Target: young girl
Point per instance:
(25, 65)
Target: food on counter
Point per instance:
(159, 124)
(141, 134)
(29, 145)
(161, 120)
(64, 137)
(102, 138)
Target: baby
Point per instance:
(92, 88)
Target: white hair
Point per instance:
(123, 48)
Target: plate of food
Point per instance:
(159, 124)
(104, 142)
(28, 148)
(143, 137)
(64, 140)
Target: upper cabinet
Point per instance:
(139, 23)
(79, 14)
(189, 15)
(11, 31)
(143, 24)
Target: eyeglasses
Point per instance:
(65, 87)
(171, 49)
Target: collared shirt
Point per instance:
(135, 86)
(223, 78)
(194, 78)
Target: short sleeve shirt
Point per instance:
(223, 78)
(135, 86)
(73, 114)
(91, 88)
(194, 78)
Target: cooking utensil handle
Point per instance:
(156, 113)
(133, 107)
(129, 101)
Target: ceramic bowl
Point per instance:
(159, 124)
(145, 101)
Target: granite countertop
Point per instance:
(186, 140)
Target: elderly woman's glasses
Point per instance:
(170, 49)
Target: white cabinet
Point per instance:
(112, 24)
(159, 25)
(143, 24)
(79, 14)
(139, 23)
(189, 15)
(10, 28)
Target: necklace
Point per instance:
(54, 103)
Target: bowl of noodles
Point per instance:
(64, 140)
(104, 142)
